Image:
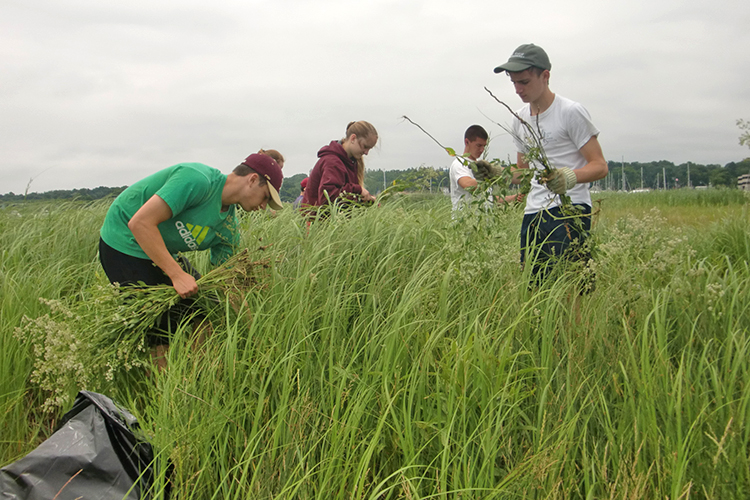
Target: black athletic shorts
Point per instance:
(127, 271)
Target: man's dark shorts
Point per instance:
(128, 271)
(547, 235)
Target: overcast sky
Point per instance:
(98, 93)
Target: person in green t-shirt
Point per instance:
(188, 206)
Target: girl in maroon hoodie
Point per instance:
(340, 171)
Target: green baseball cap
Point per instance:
(524, 57)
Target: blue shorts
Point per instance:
(548, 235)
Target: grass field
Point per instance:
(399, 354)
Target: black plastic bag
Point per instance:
(94, 453)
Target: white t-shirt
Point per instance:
(459, 195)
(565, 128)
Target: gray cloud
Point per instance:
(97, 94)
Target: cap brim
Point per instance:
(513, 67)
(275, 201)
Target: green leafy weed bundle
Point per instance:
(85, 340)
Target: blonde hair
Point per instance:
(361, 130)
(277, 157)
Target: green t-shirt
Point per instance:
(193, 193)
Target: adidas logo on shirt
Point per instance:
(192, 234)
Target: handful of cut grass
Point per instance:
(87, 339)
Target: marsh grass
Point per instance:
(395, 353)
(681, 207)
(90, 338)
(45, 253)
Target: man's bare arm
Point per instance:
(144, 226)
(596, 166)
(467, 182)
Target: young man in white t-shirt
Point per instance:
(570, 142)
(461, 176)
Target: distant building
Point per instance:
(743, 182)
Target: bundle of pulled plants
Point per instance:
(87, 340)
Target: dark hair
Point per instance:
(476, 132)
(243, 170)
(533, 69)
(537, 71)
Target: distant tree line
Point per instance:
(651, 175)
(84, 194)
(426, 179)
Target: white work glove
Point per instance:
(560, 180)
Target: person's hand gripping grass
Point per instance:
(560, 180)
(484, 170)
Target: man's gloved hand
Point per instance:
(485, 170)
(480, 170)
(560, 180)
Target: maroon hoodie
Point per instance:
(335, 172)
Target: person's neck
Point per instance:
(348, 149)
(229, 191)
(542, 104)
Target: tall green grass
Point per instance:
(692, 208)
(396, 353)
(683, 198)
(48, 251)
